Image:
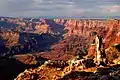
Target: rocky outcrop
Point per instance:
(43, 28)
(46, 72)
(113, 54)
(11, 38)
(41, 73)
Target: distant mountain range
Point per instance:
(79, 17)
(84, 17)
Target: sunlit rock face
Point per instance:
(113, 35)
(109, 29)
(91, 51)
(84, 27)
(42, 28)
(113, 53)
(10, 38)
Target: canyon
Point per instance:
(27, 43)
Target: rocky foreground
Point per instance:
(48, 73)
(62, 71)
(76, 69)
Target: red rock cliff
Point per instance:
(109, 29)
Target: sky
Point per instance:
(67, 8)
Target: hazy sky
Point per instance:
(75, 8)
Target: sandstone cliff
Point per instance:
(108, 29)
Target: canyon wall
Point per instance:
(108, 29)
(65, 32)
(78, 39)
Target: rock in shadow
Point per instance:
(75, 74)
(10, 68)
(7, 25)
(56, 27)
(117, 47)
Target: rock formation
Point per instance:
(73, 71)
